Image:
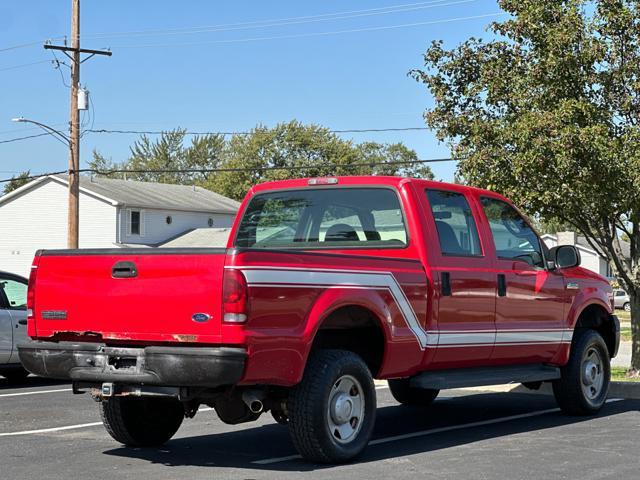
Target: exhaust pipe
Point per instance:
(252, 399)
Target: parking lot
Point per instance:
(47, 432)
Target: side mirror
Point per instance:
(565, 256)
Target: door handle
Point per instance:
(445, 279)
(22, 322)
(124, 270)
(502, 285)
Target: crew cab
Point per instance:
(325, 285)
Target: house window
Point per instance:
(135, 222)
(210, 222)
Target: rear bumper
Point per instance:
(166, 366)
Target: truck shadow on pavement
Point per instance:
(30, 382)
(246, 446)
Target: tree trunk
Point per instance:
(634, 295)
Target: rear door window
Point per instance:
(454, 223)
(323, 218)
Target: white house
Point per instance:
(590, 258)
(113, 213)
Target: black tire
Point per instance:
(406, 395)
(576, 392)
(310, 422)
(15, 375)
(141, 422)
(627, 307)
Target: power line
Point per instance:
(238, 169)
(11, 140)
(312, 34)
(160, 132)
(30, 44)
(257, 23)
(14, 67)
(281, 21)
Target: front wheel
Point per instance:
(332, 410)
(627, 307)
(584, 383)
(141, 422)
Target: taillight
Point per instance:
(235, 301)
(31, 302)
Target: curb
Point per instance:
(626, 390)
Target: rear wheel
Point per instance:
(332, 410)
(584, 384)
(405, 394)
(627, 307)
(141, 422)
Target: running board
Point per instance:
(475, 377)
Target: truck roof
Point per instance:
(368, 180)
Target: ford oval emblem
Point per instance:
(200, 317)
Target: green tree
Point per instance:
(288, 150)
(150, 159)
(16, 182)
(306, 151)
(548, 113)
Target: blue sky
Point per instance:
(227, 78)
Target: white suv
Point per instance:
(13, 324)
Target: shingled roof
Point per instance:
(158, 195)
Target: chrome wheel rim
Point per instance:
(345, 413)
(592, 372)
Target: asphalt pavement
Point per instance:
(47, 432)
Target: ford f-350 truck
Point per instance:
(325, 284)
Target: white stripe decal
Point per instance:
(530, 336)
(259, 276)
(447, 338)
(297, 277)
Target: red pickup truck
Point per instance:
(326, 284)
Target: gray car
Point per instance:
(13, 324)
(621, 300)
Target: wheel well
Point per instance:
(356, 329)
(595, 317)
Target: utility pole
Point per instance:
(73, 53)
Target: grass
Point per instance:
(625, 331)
(624, 317)
(619, 374)
(625, 334)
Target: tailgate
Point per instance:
(139, 295)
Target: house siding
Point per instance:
(37, 219)
(156, 229)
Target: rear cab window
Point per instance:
(352, 217)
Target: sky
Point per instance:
(226, 66)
